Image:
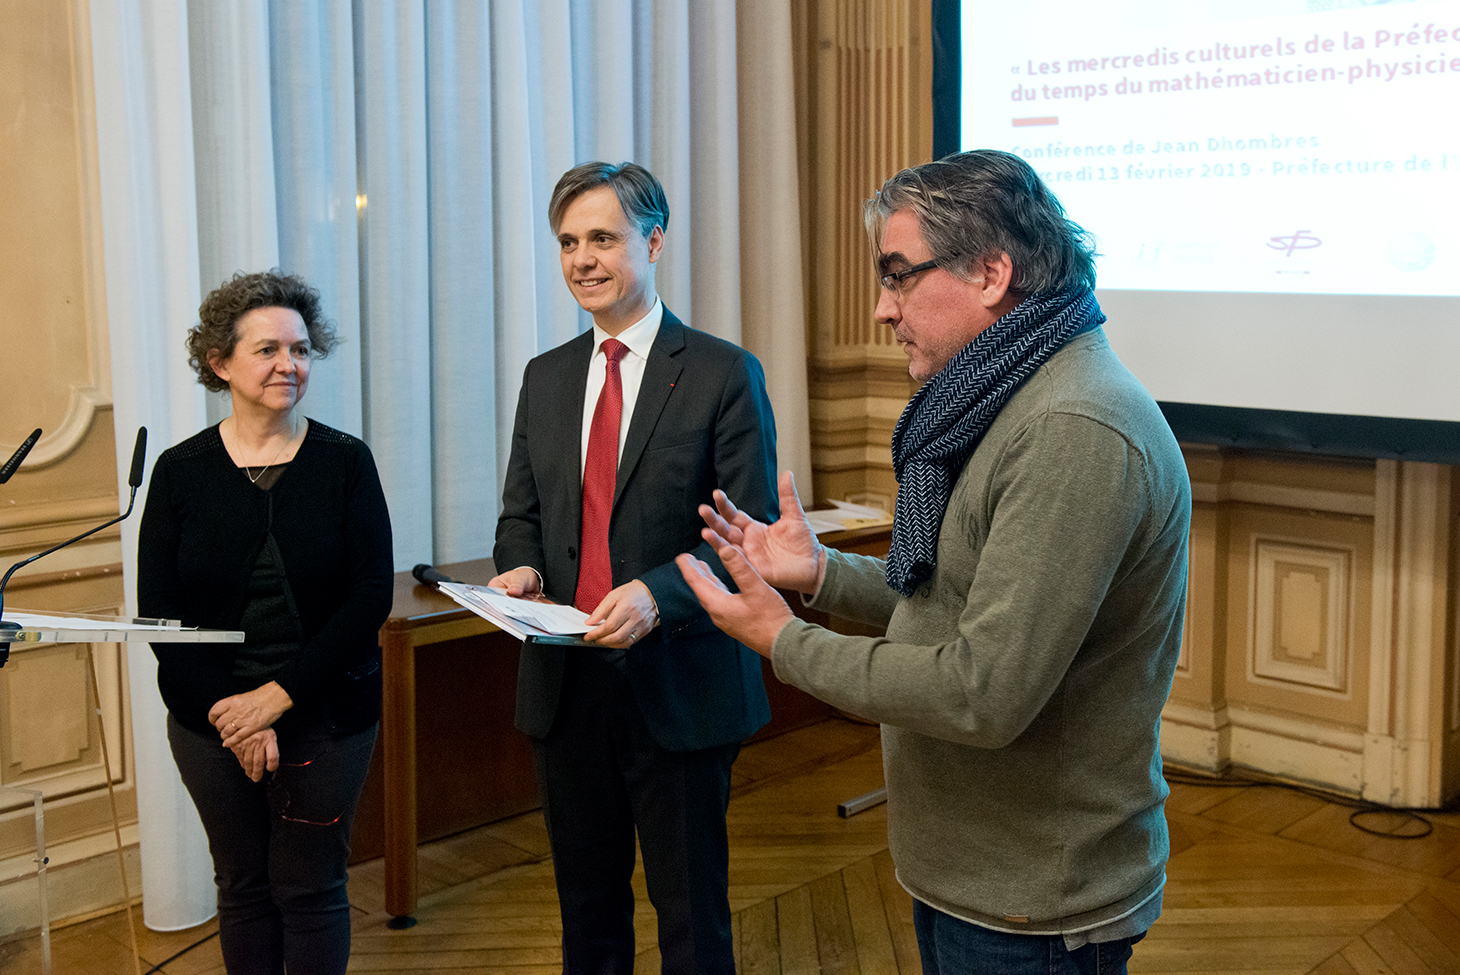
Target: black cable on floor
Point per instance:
(201, 941)
(1361, 807)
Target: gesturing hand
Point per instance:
(755, 614)
(785, 554)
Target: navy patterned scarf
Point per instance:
(946, 419)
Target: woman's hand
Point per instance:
(258, 753)
(246, 714)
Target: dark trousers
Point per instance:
(602, 777)
(279, 846)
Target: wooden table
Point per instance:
(419, 616)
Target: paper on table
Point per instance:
(523, 618)
(845, 516)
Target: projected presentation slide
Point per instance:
(1303, 146)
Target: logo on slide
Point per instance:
(1301, 241)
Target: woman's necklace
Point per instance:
(293, 429)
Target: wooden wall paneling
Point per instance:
(1405, 758)
(867, 96)
(53, 319)
(1450, 770)
(1278, 677)
(1321, 639)
(1194, 729)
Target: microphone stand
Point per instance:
(134, 481)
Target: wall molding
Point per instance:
(1306, 751)
(82, 878)
(58, 517)
(1283, 496)
(81, 407)
(1404, 758)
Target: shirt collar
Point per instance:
(639, 337)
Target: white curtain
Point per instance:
(400, 156)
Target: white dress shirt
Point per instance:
(639, 337)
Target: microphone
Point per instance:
(14, 462)
(426, 575)
(134, 481)
(139, 454)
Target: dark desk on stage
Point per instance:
(448, 757)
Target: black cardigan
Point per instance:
(202, 529)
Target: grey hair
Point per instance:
(638, 192)
(973, 205)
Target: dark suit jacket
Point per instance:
(702, 421)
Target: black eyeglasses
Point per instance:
(893, 280)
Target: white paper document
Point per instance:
(539, 620)
(846, 515)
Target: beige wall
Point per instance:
(1321, 627)
(53, 331)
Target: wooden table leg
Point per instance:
(398, 742)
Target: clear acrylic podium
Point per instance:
(79, 628)
(23, 627)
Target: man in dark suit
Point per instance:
(620, 434)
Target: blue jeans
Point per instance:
(952, 946)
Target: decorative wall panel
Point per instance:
(48, 740)
(1300, 615)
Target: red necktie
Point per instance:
(600, 470)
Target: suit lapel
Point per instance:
(567, 428)
(661, 372)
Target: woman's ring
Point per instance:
(633, 637)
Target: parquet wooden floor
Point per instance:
(1261, 880)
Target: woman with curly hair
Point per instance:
(275, 525)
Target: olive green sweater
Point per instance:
(1020, 689)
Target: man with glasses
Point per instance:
(1032, 597)
(620, 433)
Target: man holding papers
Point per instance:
(620, 434)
